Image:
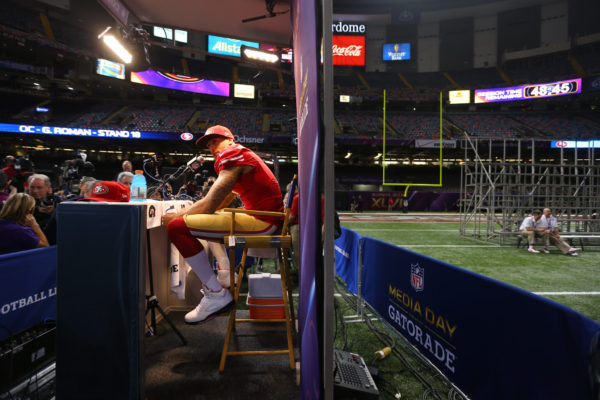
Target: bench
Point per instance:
(568, 237)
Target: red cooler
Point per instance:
(265, 299)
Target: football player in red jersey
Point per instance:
(240, 171)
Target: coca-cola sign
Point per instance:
(348, 50)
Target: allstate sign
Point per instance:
(226, 46)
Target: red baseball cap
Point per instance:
(212, 132)
(111, 191)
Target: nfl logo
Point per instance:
(417, 277)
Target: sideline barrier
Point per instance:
(492, 340)
(27, 289)
(347, 258)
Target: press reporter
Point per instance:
(40, 188)
(19, 230)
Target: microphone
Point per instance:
(199, 159)
(196, 160)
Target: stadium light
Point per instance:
(116, 46)
(253, 55)
(348, 155)
(377, 157)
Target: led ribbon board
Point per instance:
(89, 132)
(525, 92)
(575, 144)
(180, 82)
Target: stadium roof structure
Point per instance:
(223, 17)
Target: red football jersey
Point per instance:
(258, 188)
(294, 209)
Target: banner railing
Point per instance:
(490, 339)
(27, 289)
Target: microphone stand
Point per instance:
(170, 178)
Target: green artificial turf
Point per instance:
(552, 272)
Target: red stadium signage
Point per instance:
(348, 50)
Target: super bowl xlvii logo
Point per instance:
(417, 277)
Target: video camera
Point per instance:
(23, 164)
(71, 171)
(49, 200)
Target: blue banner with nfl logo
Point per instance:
(492, 340)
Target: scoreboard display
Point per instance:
(530, 91)
(553, 89)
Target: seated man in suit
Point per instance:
(550, 225)
(530, 230)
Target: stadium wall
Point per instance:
(485, 41)
(456, 44)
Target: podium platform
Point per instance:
(102, 283)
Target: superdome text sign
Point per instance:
(348, 50)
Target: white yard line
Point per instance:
(567, 293)
(407, 230)
(446, 245)
(359, 320)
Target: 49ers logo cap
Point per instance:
(212, 132)
(110, 191)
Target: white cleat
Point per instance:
(574, 254)
(532, 250)
(211, 304)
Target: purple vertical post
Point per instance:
(306, 64)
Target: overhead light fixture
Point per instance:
(348, 155)
(254, 55)
(377, 157)
(116, 46)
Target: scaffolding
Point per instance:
(499, 190)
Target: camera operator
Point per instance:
(72, 171)
(153, 165)
(21, 170)
(194, 180)
(40, 189)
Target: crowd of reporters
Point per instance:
(28, 200)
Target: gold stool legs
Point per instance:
(287, 307)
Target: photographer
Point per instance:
(40, 189)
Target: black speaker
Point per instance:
(26, 352)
